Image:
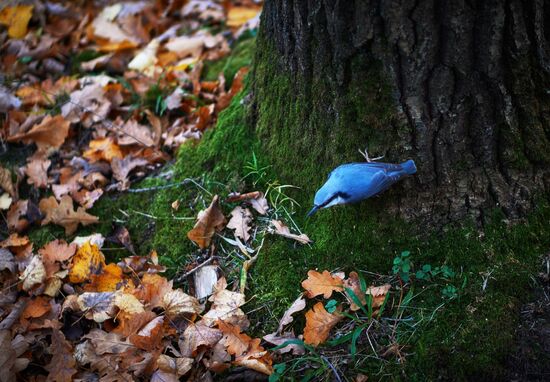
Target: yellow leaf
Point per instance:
(16, 19)
(237, 16)
(88, 259)
(107, 281)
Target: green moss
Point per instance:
(240, 56)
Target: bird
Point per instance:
(353, 182)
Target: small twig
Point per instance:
(154, 188)
(189, 273)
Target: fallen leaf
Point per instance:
(237, 16)
(89, 104)
(321, 283)
(103, 149)
(353, 283)
(5, 201)
(282, 230)
(150, 336)
(37, 171)
(128, 303)
(109, 280)
(277, 340)
(176, 303)
(378, 294)
(5, 181)
(51, 132)
(318, 324)
(7, 357)
(171, 369)
(36, 307)
(35, 273)
(225, 306)
(196, 335)
(88, 260)
(240, 222)
(7, 260)
(205, 278)
(8, 100)
(146, 58)
(208, 222)
(122, 236)
(16, 19)
(62, 367)
(63, 214)
(123, 167)
(97, 306)
(236, 342)
(297, 306)
(152, 289)
(131, 133)
(54, 253)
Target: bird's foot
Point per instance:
(365, 154)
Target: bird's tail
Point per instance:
(409, 167)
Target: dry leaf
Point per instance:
(150, 336)
(35, 273)
(97, 306)
(208, 222)
(226, 306)
(109, 280)
(63, 214)
(297, 306)
(237, 16)
(37, 171)
(89, 104)
(196, 335)
(353, 283)
(62, 367)
(176, 303)
(54, 253)
(132, 132)
(240, 222)
(5, 201)
(51, 132)
(103, 149)
(5, 181)
(277, 340)
(378, 294)
(128, 303)
(321, 283)
(88, 259)
(318, 324)
(16, 19)
(123, 167)
(282, 230)
(205, 279)
(171, 369)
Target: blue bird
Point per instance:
(353, 182)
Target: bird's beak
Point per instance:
(313, 210)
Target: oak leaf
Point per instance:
(37, 171)
(236, 342)
(122, 168)
(54, 253)
(321, 283)
(283, 230)
(208, 222)
(88, 259)
(51, 132)
(226, 306)
(318, 324)
(240, 222)
(62, 213)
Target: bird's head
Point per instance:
(329, 195)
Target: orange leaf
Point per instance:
(378, 294)
(236, 342)
(51, 132)
(208, 222)
(36, 308)
(353, 283)
(107, 281)
(321, 283)
(88, 259)
(150, 336)
(103, 149)
(56, 252)
(319, 322)
(63, 214)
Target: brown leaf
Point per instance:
(236, 342)
(88, 105)
(353, 283)
(51, 132)
(54, 253)
(297, 306)
(378, 294)
(132, 133)
(131, 323)
(240, 222)
(282, 230)
(208, 222)
(37, 171)
(176, 303)
(62, 367)
(318, 324)
(226, 306)
(7, 357)
(196, 335)
(123, 167)
(97, 306)
(63, 214)
(321, 283)
(277, 340)
(171, 369)
(150, 336)
(35, 273)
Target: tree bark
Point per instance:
(461, 87)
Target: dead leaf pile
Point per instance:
(97, 320)
(107, 95)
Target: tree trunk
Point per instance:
(461, 87)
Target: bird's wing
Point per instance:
(381, 181)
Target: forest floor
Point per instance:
(145, 236)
